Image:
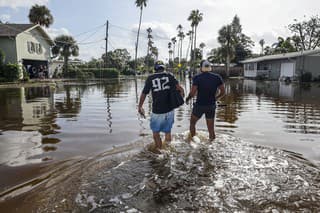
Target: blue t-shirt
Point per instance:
(207, 84)
(160, 84)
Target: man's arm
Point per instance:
(192, 93)
(180, 89)
(141, 101)
(222, 92)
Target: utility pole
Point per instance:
(107, 36)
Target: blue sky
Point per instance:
(260, 19)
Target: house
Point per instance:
(56, 65)
(283, 66)
(28, 45)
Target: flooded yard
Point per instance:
(271, 130)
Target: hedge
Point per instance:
(103, 72)
(9, 72)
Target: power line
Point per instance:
(142, 33)
(41, 37)
(100, 26)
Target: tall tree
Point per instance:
(140, 4)
(195, 18)
(202, 46)
(170, 50)
(65, 46)
(262, 43)
(174, 41)
(40, 14)
(236, 44)
(155, 52)
(149, 36)
(306, 33)
(227, 40)
(181, 37)
(189, 33)
(284, 45)
(117, 58)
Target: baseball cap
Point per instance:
(159, 65)
(205, 66)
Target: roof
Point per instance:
(12, 30)
(282, 56)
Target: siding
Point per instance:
(36, 37)
(309, 64)
(8, 46)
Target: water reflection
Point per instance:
(83, 119)
(26, 115)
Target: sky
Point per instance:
(85, 20)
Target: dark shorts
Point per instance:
(209, 111)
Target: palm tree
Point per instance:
(189, 33)
(195, 18)
(174, 41)
(65, 46)
(149, 31)
(170, 51)
(262, 43)
(40, 15)
(140, 4)
(180, 33)
(227, 40)
(155, 52)
(202, 46)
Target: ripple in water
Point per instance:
(227, 175)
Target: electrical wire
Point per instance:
(41, 37)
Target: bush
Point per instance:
(306, 77)
(26, 76)
(10, 72)
(2, 58)
(128, 72)
(103, 72)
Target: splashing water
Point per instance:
(227, 175)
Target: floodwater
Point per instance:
(266, 157)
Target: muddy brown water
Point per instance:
(49, 134)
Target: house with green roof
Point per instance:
(26, 44)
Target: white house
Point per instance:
(28, 45)
(281, 66)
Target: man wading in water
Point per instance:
(162, 117)
(205, 85)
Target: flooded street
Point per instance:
(266, 157)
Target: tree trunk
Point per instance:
(65, 64)
(181, 50)
(137, 43)
(228, 65)
(194, 47)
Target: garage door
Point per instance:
(287, 69)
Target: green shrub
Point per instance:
(26, 76)
(306, 77)
(127, 71)
(10, 72)
(103, 72)
(2, 58)
(91, 73)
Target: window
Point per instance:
(34, 47)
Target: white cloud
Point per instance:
(54, 32)
(5, 17)
(21, 3)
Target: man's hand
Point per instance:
(187, 100)
(141, 112)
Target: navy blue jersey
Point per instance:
(160, 84)
(207, 84)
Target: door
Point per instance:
(287, 69)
